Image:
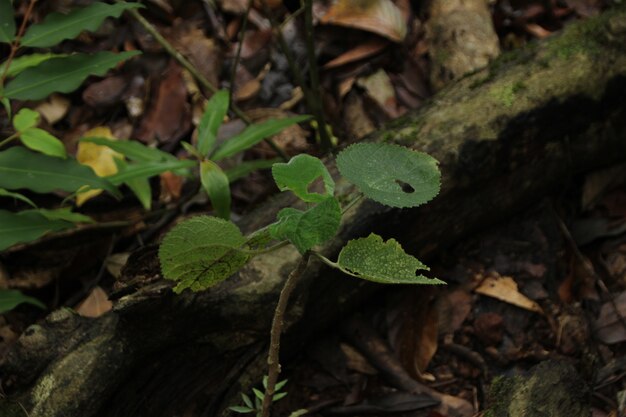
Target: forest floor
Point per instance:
(547, 284)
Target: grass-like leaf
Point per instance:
(19, 64)
(299, 173)
(9, 299)
(216, 185)
(7, 21)
(201, 252)
(372, 259)
(57, 27)
(390, 174)
(306, 229)
(64, 213)
(147, 169)
(133, 150)
(216, 109)
(62, 75)
(139, 186)
(17, 196)
(20, 168)
(26, 226)
(252, 135)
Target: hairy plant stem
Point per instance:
(195, 73)
(277, 327)
(15, 45)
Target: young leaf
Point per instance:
(25, 227)
(279, 396)
(372, 259)
(309, 228)
(258, 393)
(215, 183)
(17, 196)
(246, 400)
(252, 135)
(240, 409)
(9, 299)
(57, 26)
(390, 174)
(280, 385)
(19, 64)
(148, 169)
(41, 141)
(201, 252)
(20, 168)
(299, 173)
(244, 168)
(133, 150)
(62, 75)
(216, 109)
(7, 21)
(25, 119)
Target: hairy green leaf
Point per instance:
(25, 227)
(17, 196)
(9, 299)
(19, 64)
(201, 252)
(133, 150)
(372, 259)
(41, 141)
(215, 183)
(244, 168)
(299, 173)
(147, 169)
(20, 168)
(252, 135)
(390, 174)
(7, 21)
(216, 109)
(306, 229)
(62, 75)
(57, 26)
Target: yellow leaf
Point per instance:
(98, 157)
(505, 289)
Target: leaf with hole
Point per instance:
(201, 252)
(306, 229)
(372, 259)
(61, 75)
(253, 134)
(215, 183)
(7, 21)
(26, 226)
(216, 109)
(20, 168)
(391, 174)
(57, 27)
(299, 174)
(9, 299)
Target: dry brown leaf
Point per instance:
(377, 16)
(505, 289)
(96, 304)
(608, 326)
(453, 309)
(54, 108)
(115, 262)
(378, 87)
(365, 50)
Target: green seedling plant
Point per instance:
(203, 251)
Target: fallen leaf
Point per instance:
(54, 108)
(489, 328)
(171, 187)
(378, 87)
(115, 262)
(362, 51)
(609, 327)
(505, 289)
(96, 304)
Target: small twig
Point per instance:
(277, 327)
(242, 35)
(16, 42)
(195, 73)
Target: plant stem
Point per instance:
(195, 73)
(277, 327)
(242, 35)
(16, 42)
(9, 139)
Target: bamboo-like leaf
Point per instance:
(63, 213)
(7, 21)
(201, 252)
(215, 183)
(20, 63)
(372, 259)
(390, 174)
(133, 150)
(216, 109)
(299, 173)
(252, 135)
(20, 168)
(139, 186)
(17, 196)
(26, 227)
(147, 170)
(57, 26)
(62, 75)
(9, 299)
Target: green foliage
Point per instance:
(9, 299)
(211, 121)
(201, 252)
(250, 406)
(34, 138)
(216, 185)
(57, 27)
(26, 226)
(390, 174)
(19, 64)
(372, 259)
(133, 150)
(7, 21)
(17, 196)
(306, 229)
(64, 74)
(20, 168)
(299, 173)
